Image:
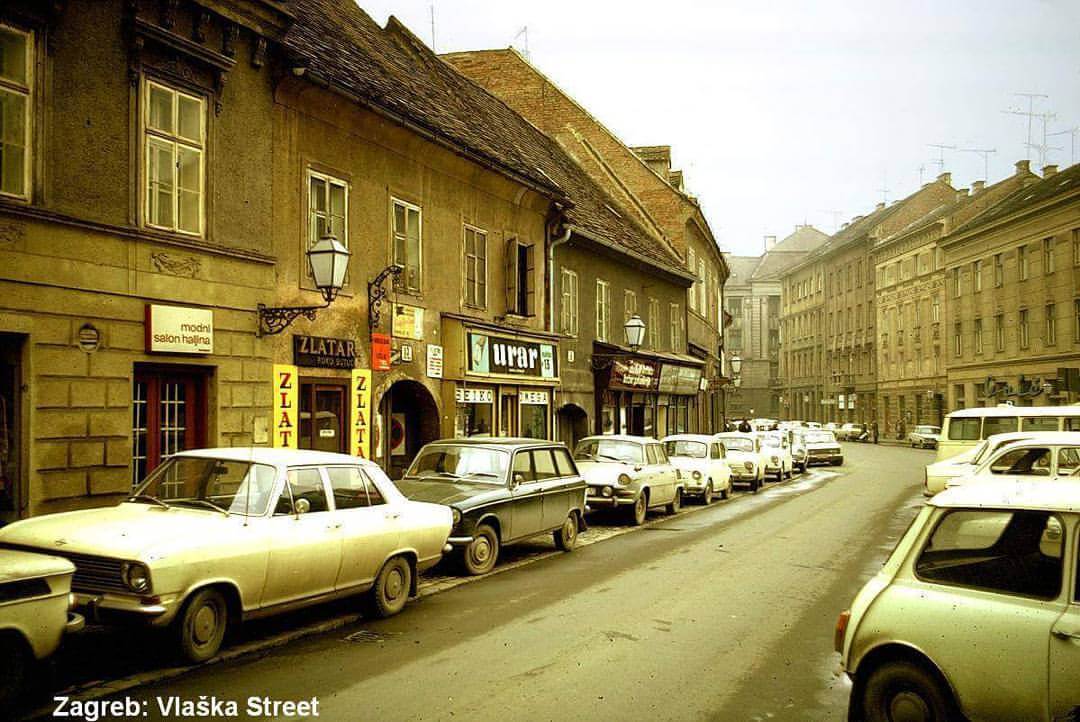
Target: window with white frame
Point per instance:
(691, 256)
(603, 309)
(475, 267)
(677, 319)
(1023, 263)
(328, 208)
(568, 310)
(174, 124)
(653, 324)
(1024, 328)
(1048, 255)
(407, 247)
(629, 304)
(700, 286)
(16, 101)
(976, 274)
(978, 335)
(1051, 324)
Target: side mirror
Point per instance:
(518, 479)
(302, 506)
(637, 467)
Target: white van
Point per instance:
(965, 428)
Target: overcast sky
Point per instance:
(785, 114)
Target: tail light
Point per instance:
(841, 630)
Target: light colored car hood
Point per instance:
(603, 472)
(741, 456)
(126, 531)
(687, 463)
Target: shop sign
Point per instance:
(533, 398)
(406, 353)
(669, 379)
(634, 374)
(689, 380)
(434, 361)
(179, 329)
(407, 322)
(474, 396)
(325, 353)
(360, 431)
(510, 357)
(380, 352)
(286, 410)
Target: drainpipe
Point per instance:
(555, 241)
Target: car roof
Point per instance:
(1035, 438)
(499, 442)
(703, 438)
(737, 434)
(1056, 495)
(1006, 410)
(623, 437)
(276, 457)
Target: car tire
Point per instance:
(14, 660)
(201, 626)
(566, 535)
(707, 497)
(676, 503)
(726, 493)
(756, 485)
(902, 690)
(639, 509)
(391, 590)
(479, 556)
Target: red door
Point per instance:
(168, 415)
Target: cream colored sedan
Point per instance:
(216, 536)
(976, 614)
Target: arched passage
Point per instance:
(410, 419)
(573, 424)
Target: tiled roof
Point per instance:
(742, 268)
(393, 71)
(1065, 181)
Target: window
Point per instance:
(328, 207)
(1023, 263)
(1076, 321)
(15, 105)
(520, 278)
(958, 340)
(653, 324)
(1033, 461)
(407, 246)
(691, 257)
(306, 485)
(1051, 324)
(956, 282)
(1024, 329)
(1076, 246)
(168, 415)
(964, 428)
(629, 304)
(568, 311)
(351, 488)
(1017, 552)
(1068, 460)
(999, 271)
(978, 335)
(999, 332)
(976, 274)
(475, 267)
(1048, 255)
(700, 286)
(935, 311)
(603, 309)
(999, 425)
(175, 136)
(676, 327)
(1040, 423)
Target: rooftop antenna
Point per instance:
(985, 153)
(1073, 132)
(1030, 113)
(922, 170)
(835, 218)
(432, 6)
(884, 189)
(941, 155)
(523, 32)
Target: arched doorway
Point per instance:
(410, 419)
(573, 424)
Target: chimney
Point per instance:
(1049, 170)
(770, 241)
(977, 187)
(879, 206)
(844, 225)
(945, 178)
(1023, 167)
(961, 193)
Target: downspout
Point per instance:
(555, 241)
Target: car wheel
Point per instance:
(566, 535)
(725, 493)
(758, 481)
(482, 552)
(638, 510)
(676, 503)
(14, 659)
(391, 590)
(201, 626)
(706, 498)
(905, 691)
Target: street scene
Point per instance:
(411, 360)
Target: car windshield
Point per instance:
(460, 461)
(927, 430)
(770, 441)
(691, 449)
(232, 487)
(979, 451)
(610, 450)
(738, 443)
(820, 437)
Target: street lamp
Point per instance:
(635, 332)
(329, 261)
(736, 365)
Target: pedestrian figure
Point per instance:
(873, 431)
(744, 426)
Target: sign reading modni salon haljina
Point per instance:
(327, 353)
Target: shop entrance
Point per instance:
(168, 414)
(410, 419)
(324, 416)
(12, 498)
(508, 414)
(573, 424)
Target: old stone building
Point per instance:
(1012, 280)
(752, 298)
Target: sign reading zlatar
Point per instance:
(327, 353)
(286, 410)
(360, 433)
(179, 329)
(510, 357)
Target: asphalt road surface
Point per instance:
(727, 613)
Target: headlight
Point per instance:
(456, 515)
(697, 476)
(136, 577)
(608, 491)
(625, 479)
(749, 465)
(775, 460)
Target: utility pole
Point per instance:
(941, 154)
(1072, 132)
(985, 153)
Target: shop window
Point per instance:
(408, 249)
(520, 278)
(475, 267)
(174, 126)
(534, 416)
(323, 417)
(475, 412)
(168, 416)
(16, 102)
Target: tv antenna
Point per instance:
(432, 8)
(523, 33)
(884, 189)
(1030, 114)
(985, 153)
(835, 218)
(922, 170)
(941, 154)
(1073, 132)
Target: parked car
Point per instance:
(777, 449)
(822, 448)
(924, 437)
(938, 473)
(973, 615)
(216, 536)
(852, 431)
(35, 614)
(703, 464)
(1046, 454)
(763, 424)
(813, 424)
(501, 491)
(629, 472)
(745, 458)
(799, 452)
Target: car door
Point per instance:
(665, 472)
(305, 543)
(370, 528)
(554, 487)
(1065, 645)
(527, 497)
(1068, 459)
(718, 465)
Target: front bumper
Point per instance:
(460, 541)
(595, 498)
(156, 610)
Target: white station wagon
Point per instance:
(976, 614)
(216, 536)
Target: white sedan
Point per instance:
(937, 474)
(744, 457)
(1045, 455)
(215, 536)
(701, 459)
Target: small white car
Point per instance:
(937, 474)
(800, 454)
(822, 448)
(703, 464)
(632, 472)
(1046, 455)
(976, 614)
(745, 458)
(924, 437)
(777, 450)
(35, 603)
(216, 536)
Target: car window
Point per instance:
(307, 484)
(688, 448)
(650, 454)
(964, 429)
(348, 486)
(1034, 461)
(544, 464)
(998, 425)
(661, 455)
(522, 468)
(1017, 552)
(1071, 423)
(564, 462)
(718, 451)
(610, 450)
(1039, 423)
